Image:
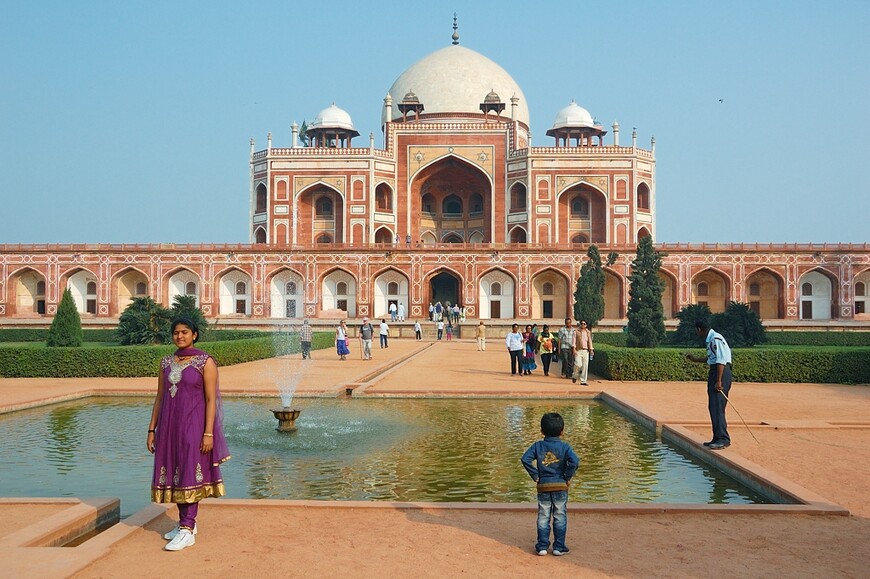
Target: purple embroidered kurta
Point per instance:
(183, 474)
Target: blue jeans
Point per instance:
(553, 504)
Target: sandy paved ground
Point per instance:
(817, 436)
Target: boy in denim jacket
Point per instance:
(551, 463)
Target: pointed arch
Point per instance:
(338, 291)
(817, 294)
(643, 197)
(391, 286)
(861, 293)
(582, 208)
(551, 294)
(496, 291)
(235, 292)
(711, 286)
(765, 293)
(26, 292)
(176, 282)
(670, 301)
(614, 292)
(320, 211)
(126, 284)
(286, 293)
(84, 286)
(444, 284)
(518, 235)
(384, 235)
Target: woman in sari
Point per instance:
(530, 344)
(341, 338)
(186, 433)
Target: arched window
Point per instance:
(476, 203)
(40, 288)
(518, 197)
(429, 204)
(755, 289)
(260, 203)
(323, 238)
(452, 206)
(518, 235)
(580, 238)
(260, 235)
(190, 288)
(383, 198)
(643, 197)
(241, 288)
(547, 290)
(290, 288)
(91, 288)
(860, 289)
(452, 238)
(579, 208)
(703, 289)
(393, 288)
(807, 289)
(141, 288)
(341, 288)
(323, 207)
(495, 289)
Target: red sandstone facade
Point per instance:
(456, 207)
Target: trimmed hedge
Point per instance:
(41, 335)
(818, 338)
(821, 365)
(133, 361)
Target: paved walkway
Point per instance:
(817, 436)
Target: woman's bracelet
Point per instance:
(207, 434)
(151, 431)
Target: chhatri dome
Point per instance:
(333, 117)
(456, 80)
(573, 116)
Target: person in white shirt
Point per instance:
(418, 331)
(515, 346)
(440, 328)
(384, 334)
(582, 354)
(718, 382)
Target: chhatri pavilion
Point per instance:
(455, 206)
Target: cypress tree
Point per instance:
(66, 327)
(589, 295)
(646, 318)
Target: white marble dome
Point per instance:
(456, 79)
(573, 116)
(332, 117)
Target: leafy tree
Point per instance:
(688, 316)
(740, 325)
(66, 327)
(589, 295)
(646, 318)
(186, 306)
(144, 321)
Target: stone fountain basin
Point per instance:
(286, 418)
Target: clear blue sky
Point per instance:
(130, 121)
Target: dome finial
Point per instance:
(455, 30)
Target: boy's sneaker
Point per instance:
(542, 552)
(182, 540)
(558, 553)
(171, 534)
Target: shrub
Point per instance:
(66, 327)
(689, 316)
(144, 322)
(589, 293)
(740, 325)
(787, 338)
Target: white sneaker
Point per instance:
(542, 552)
(183, 539)
(171, 534)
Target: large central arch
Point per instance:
(445, 287)
(453, 200)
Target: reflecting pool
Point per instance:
(359, 449)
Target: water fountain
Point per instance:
(286, 371)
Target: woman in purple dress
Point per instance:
(185, 433)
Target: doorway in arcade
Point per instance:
(444, 288)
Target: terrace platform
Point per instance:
(813, 440)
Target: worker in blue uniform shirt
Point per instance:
(718, 382)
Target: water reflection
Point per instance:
(406, 450)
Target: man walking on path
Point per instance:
(393, 311)
(515, 347)
(583, 354)
(305, 337)
(481, 337)
(385, 334)
(567, 348)
(366, 335)
(718, 382)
